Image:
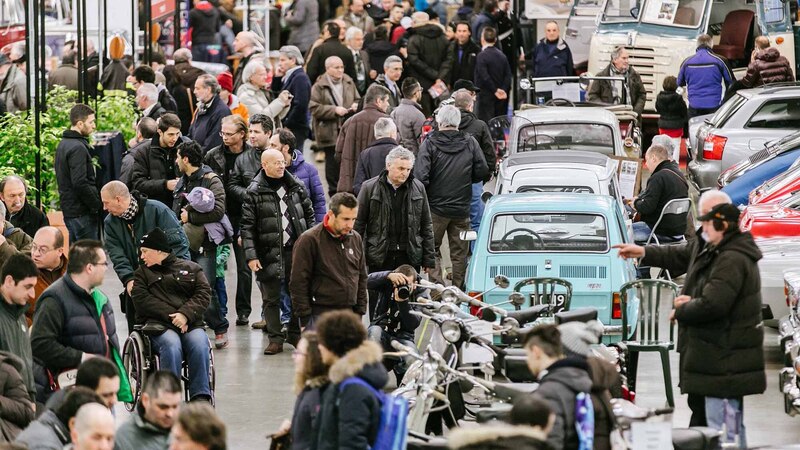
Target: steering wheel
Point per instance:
(559, 102)
(536, 141)
(504, 240)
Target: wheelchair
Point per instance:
(141, 360)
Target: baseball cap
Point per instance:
(724, 211)
(465, 84)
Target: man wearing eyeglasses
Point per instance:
(47, 252)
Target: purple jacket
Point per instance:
(308, 174)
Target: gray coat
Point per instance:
(303, 24)
(137, 434)
(409, 119)
(45, 433)
(13, 90)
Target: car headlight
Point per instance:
(524, 83)
(449, 295)
(451, 331)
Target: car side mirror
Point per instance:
(468, 235)
(486, 196)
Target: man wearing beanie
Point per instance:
(225, 80)
(720, 335)
(174, 293)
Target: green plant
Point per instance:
(59, 101)
(117, 113)
(18, 138)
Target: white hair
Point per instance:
(713, 198)
(394, 59)
(384, 127)
(664, 141)
(352, 32)
(400, 152)
(149, 90)
(448, 116)
(182, 55)
(250, 69)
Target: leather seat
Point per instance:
(735, 33)
(695, 438)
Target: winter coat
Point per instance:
(666, 183)
(126, 167)
(139, 434)
(15, 339)
(375, 217)
(372, 161)
(305, 413)
(393, 316)
(464, 68)
(328, 273)
(562, 382)
(156, 111)
(174, 286)
(769, 66)
(215, 159)
(549, 60)
(245, 169)
(378, 51)
(492, 72)
(428, 58)
(166, 99)
(123, 238)
(153, 166)
(262, 223)
(65, 75)
(449, 162)
(601, 90)
(16, 406)
(29, 219)
(479, 21)
(409, 119)
(43, 281)
(498, 437)
(203, 177)
(605, 378)
(324, 120)
(720, 334)
(703, 74)
(12, 90)
(298, 84)
(330, 47)
(672, 110)
(205, 23)
(183, 92)
(478, 129)
(303, 24)
(308, 174)
(357, 133)
(349, 417)
(115, 76)
(47, 432)
(257, 101)
(66, 325)
(394, 96)
(16, 242)
(75, 176)
(206, 125)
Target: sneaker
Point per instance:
(260, 325)
(273, 348)
(242, 320)
(221, 340)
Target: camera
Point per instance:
(403, 292)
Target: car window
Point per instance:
(591, 137)
(684, 13)
(537, 232)
(727, 110)
(620, 11)
(781, 113)
(562, 189)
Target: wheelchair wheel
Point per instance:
(133, 359)
(212, 377)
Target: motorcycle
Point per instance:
(789, 330)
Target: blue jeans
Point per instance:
(641, 231)
(476, 206)
(83, 227)
(727, 413)
(213, 316)
(399, 366)
(286, 302)
(222, 295)
(172, 348)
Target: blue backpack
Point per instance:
(584, 421)
(392, 429)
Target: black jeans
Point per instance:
(331, 169)
(697, 403)
(244, 278)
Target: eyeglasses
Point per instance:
(40, 249)
(104, 263)
(224, 134)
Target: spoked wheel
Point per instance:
(133, 360)
(212, 377)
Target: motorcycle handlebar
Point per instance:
(663, 411)
(462, 297)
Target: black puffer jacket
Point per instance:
(672, 110)
(666, 183)
(447, 164)
(478, 129)
(720, 334)
(75, 176)
(262, 227)
(245, 169)
(349, 417)
(428, 58)
(375, 215)
(174, 286)
(152, 168)
(215, 159)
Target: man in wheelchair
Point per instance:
(393, 320)
(171, 295)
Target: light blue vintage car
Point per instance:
(557, 235)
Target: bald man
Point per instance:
(131, 216)
(47, 252)
(93, 428)
(268, 238)
(21, 214)
(248, 46)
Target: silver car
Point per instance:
(742, 126)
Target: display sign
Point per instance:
(161, 8)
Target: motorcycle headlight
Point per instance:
(449, 295)
(451, 331)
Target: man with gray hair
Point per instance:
(147, 101)
(290, 76)
(392, 71)
(720, 335)
(703, 75)
(408, 116)
(630, 91)
(354, 38)
(394, 206)
(247, 45)
(210, 110)
(21, 214)
(372, 160)
(449, 162)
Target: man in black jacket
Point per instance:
(464, 52)
(210, 111)
(75, 175)
(428, 59)
(666, 183)
(449, 162)
(17, 282)
(147, 101)
(492, 77)
(196, 174)
(204, 19)
(145, 74)
(275, 213)
(154, 171)
(720, 334)
(174, 293)
(331, 46)
(21, 214)
(245, 170)
(372, 159)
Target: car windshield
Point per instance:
(683, 13)
(547, 232)
(617, 11)
(591, 137)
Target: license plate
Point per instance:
(537, 299)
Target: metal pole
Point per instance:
(85, 38)
(41, 93)
(81, 52)
(176, 27)
(134, 30)
(148, 31)
(249, 7)
(33, 38)
(514, 16)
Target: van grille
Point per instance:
(643, 60)
(513, 271)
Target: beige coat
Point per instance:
(257, 101)
(324, 120)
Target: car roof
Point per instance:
(777, 90)
(551, 202)
(567, 114)
(558, 157)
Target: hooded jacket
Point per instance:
(409, 119)
(498, 437)
(703, 74)
(478, 129)
(372, 161)
(720, 334)
(324, 120)
(308, 174)
(357, 133)
(16, 410)
(768, 67)
(448, 163)
(205, 22)
(138, 434)
(672, 111)
(552, 60)
(559, 385)
(75, 176)
(666, 183)
(428, 58)
(349, 417)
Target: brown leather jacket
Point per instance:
(768, 67)
(356, 134)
